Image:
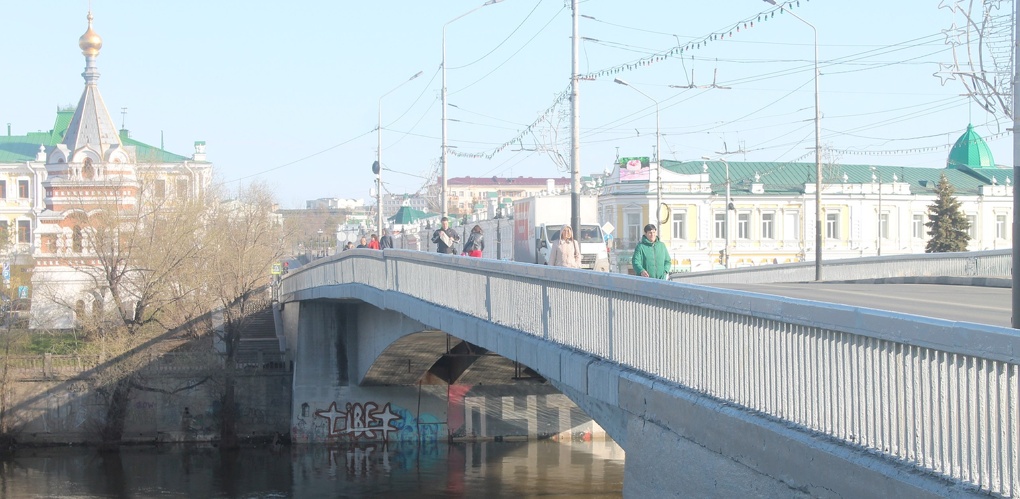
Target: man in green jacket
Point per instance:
(651, 259)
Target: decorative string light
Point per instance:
(646, 61)
(562, 96)
(692, 45)
(915, 150)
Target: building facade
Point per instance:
(82, 165)
(866, 210)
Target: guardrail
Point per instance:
(48, 366)
(940, 395)
(993, 263)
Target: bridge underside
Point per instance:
(432, 355)
(675, 439)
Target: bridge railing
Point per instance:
(992, 263)
(944, 396)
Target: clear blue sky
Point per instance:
(288, 92)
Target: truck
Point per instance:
(537, 224)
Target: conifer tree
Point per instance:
(947, 225)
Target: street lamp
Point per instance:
(876, 176)
(658, 154)
(729, 206)
(818, 152)
(378, 158)
(442, 201)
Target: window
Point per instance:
(182, 187)
(23, 189)
(768, 225)
(832, 225)
(24, 231)
(76, 240)
(3, 189)
(88, 171)
(744, 225)
(1000, 227)
(883, 225)
(972, 231)
(5, 234)
(791, 225)
(720, 225)
(633, 228)
(160, 188)
(680, 224)
(917, 226)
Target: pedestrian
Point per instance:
(349, 245)
(475, 243)
(363, 243)
(386, 241)
(651, 258)
(445, 238)
(374, 242)
(565, 252)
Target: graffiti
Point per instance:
(360, 421)
(254, 415)
(143, 405)
(78, 387)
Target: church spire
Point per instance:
(91, 126)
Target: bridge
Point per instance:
(709, 391)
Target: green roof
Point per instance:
(20, 148)
(970, 151)
(789, 178)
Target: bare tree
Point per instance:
(248, 239)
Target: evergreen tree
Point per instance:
(947, 225)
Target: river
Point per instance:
(459, 470)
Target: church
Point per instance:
(48, 179)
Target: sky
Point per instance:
(291, 93)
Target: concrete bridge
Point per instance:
(710, 392)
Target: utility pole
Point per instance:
(575, 133)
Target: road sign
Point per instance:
(7, 271)
(22, 291)
(277, 268)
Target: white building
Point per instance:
(867, 210)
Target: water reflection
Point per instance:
(489, 469)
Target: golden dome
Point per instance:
(90, 42)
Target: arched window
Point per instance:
(88, 171)
(76, 240)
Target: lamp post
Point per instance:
(658, 154)
(442, 202)
(378, 158)
(818, 152)
(1015, 294)
(729, 206)
(876, 176)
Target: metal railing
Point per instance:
(943, 396)
(49, 366)
(992, 263)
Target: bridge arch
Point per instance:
(764, 387)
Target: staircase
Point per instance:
(258, 346)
